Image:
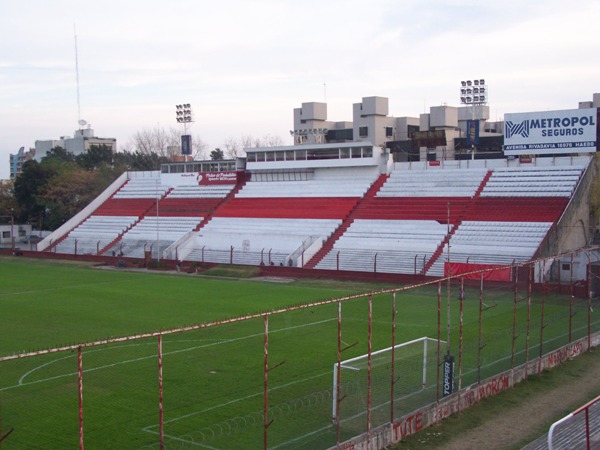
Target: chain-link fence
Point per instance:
(269, 380)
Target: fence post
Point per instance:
(266, 383)
(338, 374)
(589, 298)
(231, 255)
(161, 416)
(528, 336)
(439, 340)
(542, 322)
(479, 337)
(80, 394)
(393, 363)
(369, 367)
(460, 335)
(514, 331)
(572, 299)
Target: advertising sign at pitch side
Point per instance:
(548, 132)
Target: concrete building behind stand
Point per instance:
(80, 142)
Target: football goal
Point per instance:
(414, 371)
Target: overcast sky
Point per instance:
(244, 65)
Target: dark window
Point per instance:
(363, 131)
(389, 131)
(566, 267)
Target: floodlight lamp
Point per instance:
(291, 132)
(463, 83)
(482, 90)
(469, 91)
(187, 105)
(469, 99)
(476, 82)
(469, 82)
(475, 90)
(482, 81)
(476, 99)
(463, 100)
(482, 98)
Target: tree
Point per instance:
(217, 155)
(66, 193)
(235, 147)
(58, 154)
(8, 203)
(158, 140)
(95, 157)
(28, 187)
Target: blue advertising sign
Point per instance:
(472, 132)
(186, 144)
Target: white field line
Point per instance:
(226, 341)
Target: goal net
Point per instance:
(412, 377)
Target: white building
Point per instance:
(80, 142)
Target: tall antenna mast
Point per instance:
(77, 75)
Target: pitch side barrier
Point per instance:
(278, 394)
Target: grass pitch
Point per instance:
(214, 377)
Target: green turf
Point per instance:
(214, 377)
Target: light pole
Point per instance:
(183, 114)
(473, 92)
(157, 228)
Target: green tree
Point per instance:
(28, 187)
(8, 203)
(95, 157)
(67, 193)
(57, 155)
(217, 155)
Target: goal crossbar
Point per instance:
(380, 358)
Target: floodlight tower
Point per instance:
(474, 93)
(183, 114)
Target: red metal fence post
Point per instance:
(80, 393)
(161, 416)
(266, 383)
(393, 363)
(439, 340)
(369, 367)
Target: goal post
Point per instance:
(414, 366)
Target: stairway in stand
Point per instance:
(328, 245)
(469, 206)
(229, 196)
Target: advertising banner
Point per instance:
(472, 132)
(210, 178)
(551, 132)
(186, 144)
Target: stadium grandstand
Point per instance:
(413, 220)
(337, 206)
